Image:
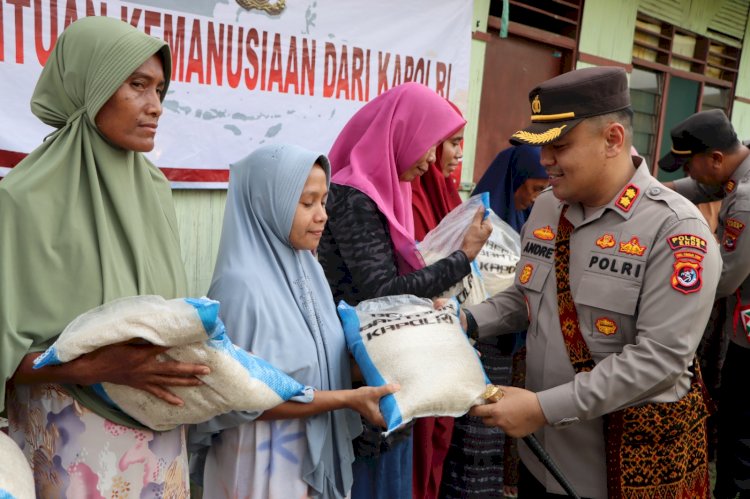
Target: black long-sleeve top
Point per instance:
(359, 260)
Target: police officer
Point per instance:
(615, 284)
(706, 146)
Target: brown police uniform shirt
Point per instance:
(643, 270)
(734, 217)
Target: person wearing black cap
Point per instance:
(614, 285)
(705, 145)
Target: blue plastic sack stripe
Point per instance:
(486, 202)
(4, 494)
(208, 311)
(48, 358)
(388, 405)
(285, 386)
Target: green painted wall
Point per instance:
(199, 218)
(741, 110)
(607, 29)
(476, 74)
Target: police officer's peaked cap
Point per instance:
(559, 104)
(701, 132)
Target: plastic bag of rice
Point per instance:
(16, 479)
(446, 238)
(239, 381)
(403, 339)
(499, 256)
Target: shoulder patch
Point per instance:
(732, 230)
(734, 224)
(730, 186)
(687, 276)
(544, 233)
(627, 197)
(680, 241)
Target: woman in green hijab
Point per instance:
(86, 219)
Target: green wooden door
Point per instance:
(682, 101)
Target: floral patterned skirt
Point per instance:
(77, 453)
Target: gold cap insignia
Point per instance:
(536, 105)
(538, 138)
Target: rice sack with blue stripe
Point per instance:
(498, 258)
(403, 339)
(239, 380)
(447, 238)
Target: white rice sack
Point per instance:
(446, 238)
(149, 318)
(499, 256)
(403, 339)
(16, 479)
(239, 381)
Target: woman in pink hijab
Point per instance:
(368, 248)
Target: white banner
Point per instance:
(294, 72)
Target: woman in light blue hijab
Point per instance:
(275, 302)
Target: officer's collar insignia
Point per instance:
(687, 241)
(539, 138)
(729, 186)
(525, 275)
(632, 247)
(536, 105)
(627, 197)
(544, 233)
(606, 326)
(606, 241)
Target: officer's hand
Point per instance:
(518, 413)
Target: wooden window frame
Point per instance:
(700, 64)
